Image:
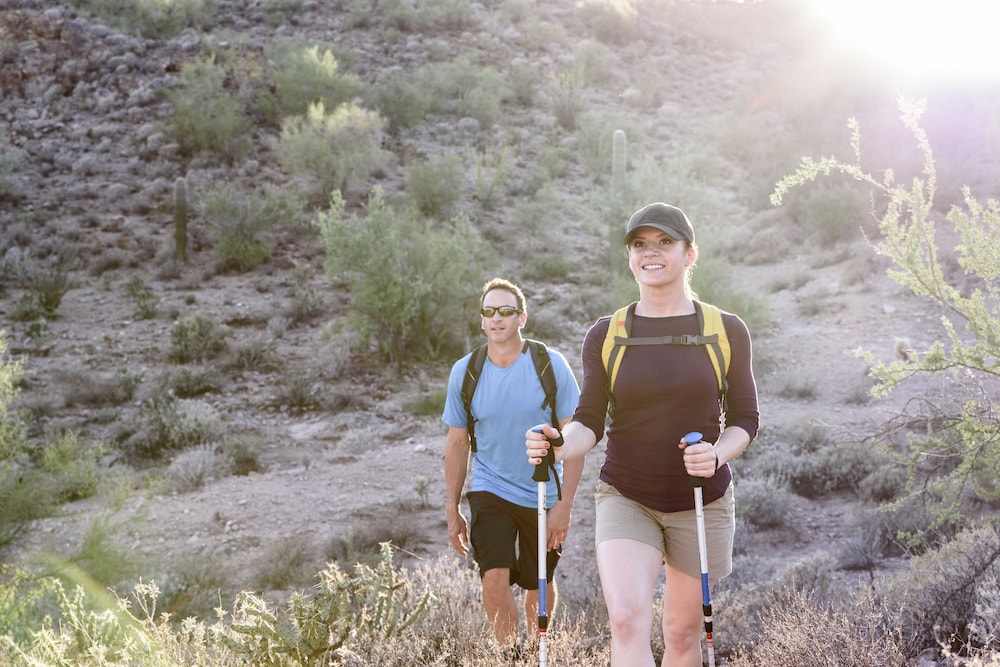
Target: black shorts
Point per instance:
(506, 535)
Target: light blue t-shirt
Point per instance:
(508, 401)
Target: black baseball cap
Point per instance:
(668, 219)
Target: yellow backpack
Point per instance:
(713, 337)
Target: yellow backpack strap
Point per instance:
(612, 351)
(713, 332)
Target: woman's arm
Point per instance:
(577, 441)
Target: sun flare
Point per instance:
(920, 41)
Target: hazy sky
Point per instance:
(920, 40)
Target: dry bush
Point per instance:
(800, 631)
(941, 599)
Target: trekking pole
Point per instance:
(699, 513)
(541, 475)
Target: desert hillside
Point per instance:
(312, 439)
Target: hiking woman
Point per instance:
(665, 387)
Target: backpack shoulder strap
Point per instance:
(713, 331)
(472, 372)
(613, 349)
(543, 367)
(547, 377)
(712, 335)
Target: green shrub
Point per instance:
(565, 97)
(402, 98)
(524, 81)
(236, 219)
(151, 18)
(243, 451)
(11, 159)
(763, 501)
(277, 12)
(594, 138)
(408, 312)
(207, 118)
(836, 212)
(171, 424)
(23, 495)
(482, 101)
(335, 149)
(192, 380)
(146, 302)
(300, 392)
(436, 184)
(364, 541)
(24, 598)
(611, 21)
(195, 339)
(283, 565)
(838, 466)
(310, 75)
(189, 470)
(490, 177)
(257, 355)
(45, 284)
(359, 13)
(448, 15)
(69, 467)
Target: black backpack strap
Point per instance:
(543, 367)
(472, 372)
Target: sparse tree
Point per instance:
(964, 429)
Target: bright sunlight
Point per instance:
(920, 41)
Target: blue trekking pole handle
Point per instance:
(698, 483)
(541, 475)
(693, 438)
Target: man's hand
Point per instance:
(557, 523)
(458, 533)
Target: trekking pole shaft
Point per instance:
(541, 475)
(699, 514)
(706, 593)
(543, 613)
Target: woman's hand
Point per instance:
(537, 444)
(700, 459)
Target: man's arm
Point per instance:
(456, 467)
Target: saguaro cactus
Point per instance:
(180, 218)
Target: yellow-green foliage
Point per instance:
(970, 355)
(309, 75)
(410, 279)
(335, 149)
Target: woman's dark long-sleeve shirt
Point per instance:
(663, 392)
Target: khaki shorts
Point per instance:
(674, 533)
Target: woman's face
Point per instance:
(656, 258)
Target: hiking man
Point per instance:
(508, 398)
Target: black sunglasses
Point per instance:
(505, 311)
